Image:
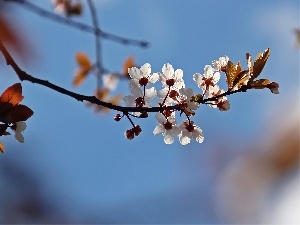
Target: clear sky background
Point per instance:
(86, 166)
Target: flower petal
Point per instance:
(158, 129)
(153, 78)
(146, 69)
(168, 70)
(168, 137)
(160, 118)
(150, 93)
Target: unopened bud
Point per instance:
(137, 130)
(129, 134)
(117, 117)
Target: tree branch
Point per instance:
(57, 18)
(23, 76)
(92, 99)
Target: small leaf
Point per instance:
(3, 128)
(240, 78)
(230, 74)
(238, 67)
(249, 63)
(79, 77)
(260, 62)
(102, 93)
(260, 84)
(2, 148)
(83, 61)
(20, 113)
(128, 63)
(12, 94)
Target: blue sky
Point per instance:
(83, 159)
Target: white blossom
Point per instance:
(185, 96)
(171, 78)
(60, 6)
(190, 131)
(208, 79)
(110, 81)
(220, 64)
(167, 127)
(142, 76)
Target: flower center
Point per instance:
(143, 81)
(170, 82)
(168, 125)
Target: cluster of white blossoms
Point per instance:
(174, 93)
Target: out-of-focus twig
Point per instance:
(84, 27)
(97, 42)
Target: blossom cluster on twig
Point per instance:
(174, 93)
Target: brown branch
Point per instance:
(57, 18)
(23, 76)
(243, 88)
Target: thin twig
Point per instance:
(97, 42)
(84, 27)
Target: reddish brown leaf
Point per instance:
(128, 63)
(2, 148)
(230, 74)
(20, 113)
(3, 128)
(240, 78)
(260, 84)
(83, 61)
(12, 95)
(102, 93)
(260, 62)
(79, 77)
(10, 34)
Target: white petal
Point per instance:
(129, 100)
(168, 137)
(146, 69)
(208, 71)
(153, 78)
(136, 91)
(184, 140)
(134, 73)
(178, 74)
(168, 70)
(197, 77)
(19, 137)
(216, 77)
(21, 126)
(110, 81)
(189, 93)
(176, 130)
(162, 93)
(158, 129)
(197, 135)
(150, 93)
(160, 118)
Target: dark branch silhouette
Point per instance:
(92, 99)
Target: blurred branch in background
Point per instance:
(22, 196)
(249, 184)
(297, 39)
(84, 27)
